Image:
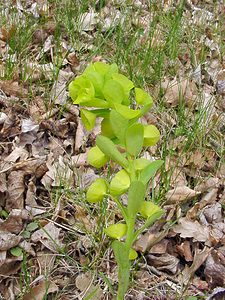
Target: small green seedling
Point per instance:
(107, 94)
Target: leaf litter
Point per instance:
(43, 154)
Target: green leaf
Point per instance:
(113, 92)
(17, 251)
(126, 84)
(134, 139)
(126, 112)
(93, 102)
(106, 128)
(120, 183)
(142, 97)
(96, 157)
(96, 191)
(96, 78)
(110, 150)
(136, 196)
(81, 89)
(141, 163)
(113, 68)
(149, 171)
(151, 135)
(119, 125)
(32, 226)
(122, 258)
(132, 254)
(148, 209)
(88, 119)
(116, 231)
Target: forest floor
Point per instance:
(52, 243)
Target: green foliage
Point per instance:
(121, 140)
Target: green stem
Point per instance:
(121, 207)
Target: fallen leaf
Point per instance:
(14, 222)
(16, 190)
(10, 266)
(192, 229)
(49, 236)
(215, 270)
(199, 258)
(165, 262)
(176, 91)
(180, 194)
(8, 240)
(184, 249)
(28, 125)
(40, 291)
(84, 283)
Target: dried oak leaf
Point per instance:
(38, 292)
(10, 266)
(192, 229)
(179, 90)
(12, 88)
(16, 190)
(48, 236)
(14, 222)
(215, 269)
(8, 240)
(165, 262)
(199, 258)
(184, 249)
(180, 194)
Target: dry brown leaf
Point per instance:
(160, 248)
(16, 190)
(14, 222)
(10, 266)
(178, 91)
(12, 88)
(46, 261)
(207, 184)
(48, 236)
(84, 283)
(199, 258)
(180, 194)
(192, 229)
(184, 249)
(8, 240)
(59, 92)
(215, 269)
(39, 291)
(165, 262)
(213, 213)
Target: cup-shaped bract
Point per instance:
(97, 190)
(132, 254)
(120, 183)
(106, 128)
(96, 157)
(81, 90)
(116, 231)
(148, 209)
(151, 135)
(88, 119)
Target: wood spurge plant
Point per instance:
(112, 96)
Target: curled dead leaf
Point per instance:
(180, 194)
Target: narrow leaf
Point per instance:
(126, 112)
(136, 196)
(88, 119)
(113, 92)
(150, 171)
(119, 125)
(122, 258)
(134, 139)
(110, 150)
